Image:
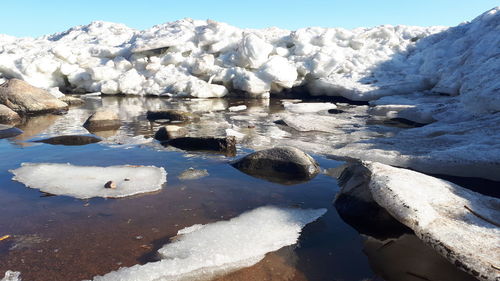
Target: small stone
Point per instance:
(110, 184)
(103, 120)
(172, 115)
(225, 145)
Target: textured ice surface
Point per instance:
(204, 251)
(88, 181)
(11, 276)
(439, 213)
(209, 59)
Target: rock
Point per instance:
(8, 131)
(280, 164)
(170, 132)
(70, 140)
(335, 111)
(8, 116)
(193, 174)
(172, 115)
(72, 100)
(110, 184)
(356, 206)
(24, 98)
(458, 223)
(103, 120)
(225, 145)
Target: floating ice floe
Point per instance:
(89, 181)
(204, 251)
(460, 224)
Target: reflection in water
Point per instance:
(409, 259)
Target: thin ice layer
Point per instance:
(204, 251)
(88, 181)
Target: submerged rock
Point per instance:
(8, 131)
(279, 164)
(70, 140)
(172, 115)
(8, 116)
(170, 132)
(103, 120)
(87, 181)
(458, 223)
(25, 98)
(193, 174)
(225, 145)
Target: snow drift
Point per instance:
(204, 251)
(209, 59)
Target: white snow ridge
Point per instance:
(205, 251)
(89, 181)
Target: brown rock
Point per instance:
(170, 132)
(72, 100)
(8, 116)
(25, 98)
(225, 145)
(103, 120)
(172, 115)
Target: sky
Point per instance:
(39, 17)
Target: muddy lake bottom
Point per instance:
(62, 238)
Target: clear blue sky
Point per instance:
(39, 17)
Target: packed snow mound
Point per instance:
(209, 59)
(203, 251)
(460, 224)
(89, 181)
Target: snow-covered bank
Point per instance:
(208, 59)
(204, 251)
(460, 224)
(90, 181)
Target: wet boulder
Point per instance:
(170, 132)
(103, 120)
(172, 115)
(27, 99)
(8, 131)
(72, 101)
(224, 145)
(286, 165)
(8, 116)
(70, 140)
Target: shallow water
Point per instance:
(62, 238)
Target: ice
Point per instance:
(204, 251)
(88, 181)
(237, 108)
(458, 223)
(11, 276)
(308, 107)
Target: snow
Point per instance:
(237, 108)
(308, 107)
(204, 251)
(11, 276)
(210, 59)
(88, 181)
(437, 211)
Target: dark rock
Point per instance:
(172, 115)
(8, 116)
(335, 111)
(170, 132)
(225, 145)
(110, 184)
(103, 120)
(8, 131)
(287, 165)
(25, 98)
(70, 140)
(356, 206)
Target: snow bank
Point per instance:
(208, 59)
(204, 251)
(88, 181)
(458, 223)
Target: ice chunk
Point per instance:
(88, 181)
(11, 276)
(221, 247)
(237, 108)
(308, 107)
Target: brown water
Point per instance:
(62, 238)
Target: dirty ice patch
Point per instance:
(88, 181)
(204, 251)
